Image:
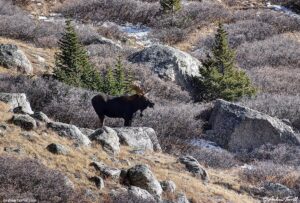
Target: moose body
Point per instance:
(120, 107)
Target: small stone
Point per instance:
(106, 171)
(57, 149)
(168, 186)
(17, 150)
(181, 198)
(98, 181)
(193, 166)
(28, 135)
(138, 151)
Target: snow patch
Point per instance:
(138, 32)
(282, 9)
(201, 143)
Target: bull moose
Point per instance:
(121, 107)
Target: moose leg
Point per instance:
(101, 119)
(128, 122)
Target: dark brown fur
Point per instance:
(120, 107)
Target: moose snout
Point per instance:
(151, 104)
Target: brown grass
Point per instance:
(76, 164)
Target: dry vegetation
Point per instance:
(267, 44)
(76, 167)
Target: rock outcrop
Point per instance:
(235, 128)
(193, 166)
(69, 131)
(139, 137)
(26, 122)
(141, 176)
(13, 58)
(169, 63)
(16, 100)
(108, 138)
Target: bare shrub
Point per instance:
(213, 158)
(242, 31)
(173, 121)
(264, 172)
(20, 26)
(282, 22)
(8, 8)
(117, 10)
(279, 154)
(276, 105)
(279, 50)
(170, 35)
(28, 179)
(276, 80)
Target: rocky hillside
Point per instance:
(51, 146)
(106, 165)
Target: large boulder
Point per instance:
(69, 131)
(16, 101)
(193, 166)
(169, 63)
(139, 137)
(25, 121)
(235, 128)
(13, 58)
(141, 176)
(108, 138)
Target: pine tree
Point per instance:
(119, 77)
(128, 82)
(109, 86)
(220, 77)
(170, 5)
(72, 62)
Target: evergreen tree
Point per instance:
(109, 86)
(120, 77)
(170, 5)
(220, 77)
(72, 62)
(128, 82)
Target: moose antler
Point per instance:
(137, 87)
